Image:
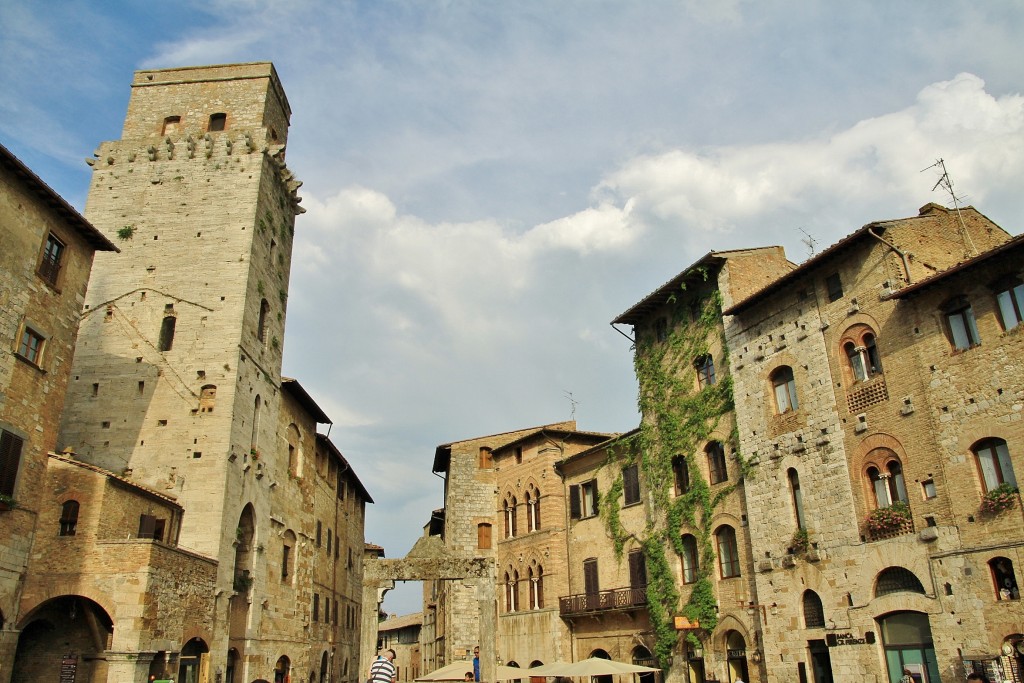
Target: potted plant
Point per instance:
(801, 542)
(999, 499)
(889, 520)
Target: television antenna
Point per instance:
(572, 404)
(809, 241)
(946, 183)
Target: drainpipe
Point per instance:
(903, 255)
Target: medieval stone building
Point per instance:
(46, 252)
(196, 525)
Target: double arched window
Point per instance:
(510, 516)
(886, 480)
(862, 359)
(532, 509)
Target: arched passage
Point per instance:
(70, 631)
(193, 654)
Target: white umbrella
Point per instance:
(455, 671)
(595, 666)
(548, 669)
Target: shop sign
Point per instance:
(737, 654)
(837, 639)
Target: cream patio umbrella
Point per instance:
(456, 671)
(595, 666)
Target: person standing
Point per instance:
(384, 670)
(476, 663)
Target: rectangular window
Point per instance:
(590, 583)
(588, 498)
(661, 329)
(31, 346)
(483, 536)
(835, 287)
(53, 253)
(10, 460)
(928, 487)
(151, 527)
(637, 569)
(316, 607)
(1011, 305)
(286, 555)
(319, 532)
(705, 366)
(630, 485)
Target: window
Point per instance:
(510, 517)
(834, 284)
(716, 462)
(897, 580)
(814, 613)
(797, 498)
(705, 366)
(329, 542)
(784, 386)
(583, 500)
(319, 532)
(861, 353)
(286, 559)
(151, 527)
(261, 327)
(591, 586)
(532, 509)
(962, 329)
(519, 455)
(10, 459)
(994, 463)
(316, 607)
(1011, 303)
(928, 489)
(887, 481)
(68, 518)
(691, 565)
(630, 485)
(1004, 579)
(637, 569)
(483, 536)
(166, 341)
(217, 122)
(207, 397)
(661, 329)
(511, 591)
(728, 555)
(49, 267)
(681, 474)
(31, 346)
(486, 458)
(536, 587)
(171, 125)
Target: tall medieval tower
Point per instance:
(178, 368)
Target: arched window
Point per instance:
(716, 462)
(255, 441)
(261, 327)
(681, 474)
(897, 580)
(1010, 298)
(886, 477)
(287, 548)
(863, 361)
(705, 367)
(1004, 579)
(166, 341)
(536, 587)
(294, 438)
(69, 518)
(993, 458)
(814, 613)
(511, 590)
(532, 509)
(691, 566)
(728, 554)
(510, 517)
(796, 497)
(784, 388)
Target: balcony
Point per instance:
(617, 599)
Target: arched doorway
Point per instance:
(907, 640)
(323, 668)
(736, 653)
(283, 670)
(601, 654)
(195, 656)
(66, 632)
(231, 666)
(643, 657)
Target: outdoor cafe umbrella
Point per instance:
(595, 666)
(543, 669)
(456, 671)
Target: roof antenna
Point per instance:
(809, 241)
(946, 183)
(572, 404)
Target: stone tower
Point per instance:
(178, 369)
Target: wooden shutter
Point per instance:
(147, 525)
(630, 485)
(10, 459)
(590, 583)
(637, 569)
(574, 501)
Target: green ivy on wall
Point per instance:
(678, 420)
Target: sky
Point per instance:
(488, 184)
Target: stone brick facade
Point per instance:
(177, 389)
(46, 252)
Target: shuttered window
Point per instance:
(630, 485)
(637, 569)
(10, 460)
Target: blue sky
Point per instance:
(488, 184)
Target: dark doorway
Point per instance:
(821, 662)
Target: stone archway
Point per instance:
(429, 560)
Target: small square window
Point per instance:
(928, 488)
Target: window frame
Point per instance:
(704, 366)
(718, 468)
(11, 447)
(728, 552)
(69, 510)
(31, 345)
(50, 264)
(784, 378)
(999, 460)
(690, 559)
(584, 499)
(681, 475)
(1010, 300)
(961, 324)
(630, 485)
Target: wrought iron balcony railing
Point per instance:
(603, 601)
